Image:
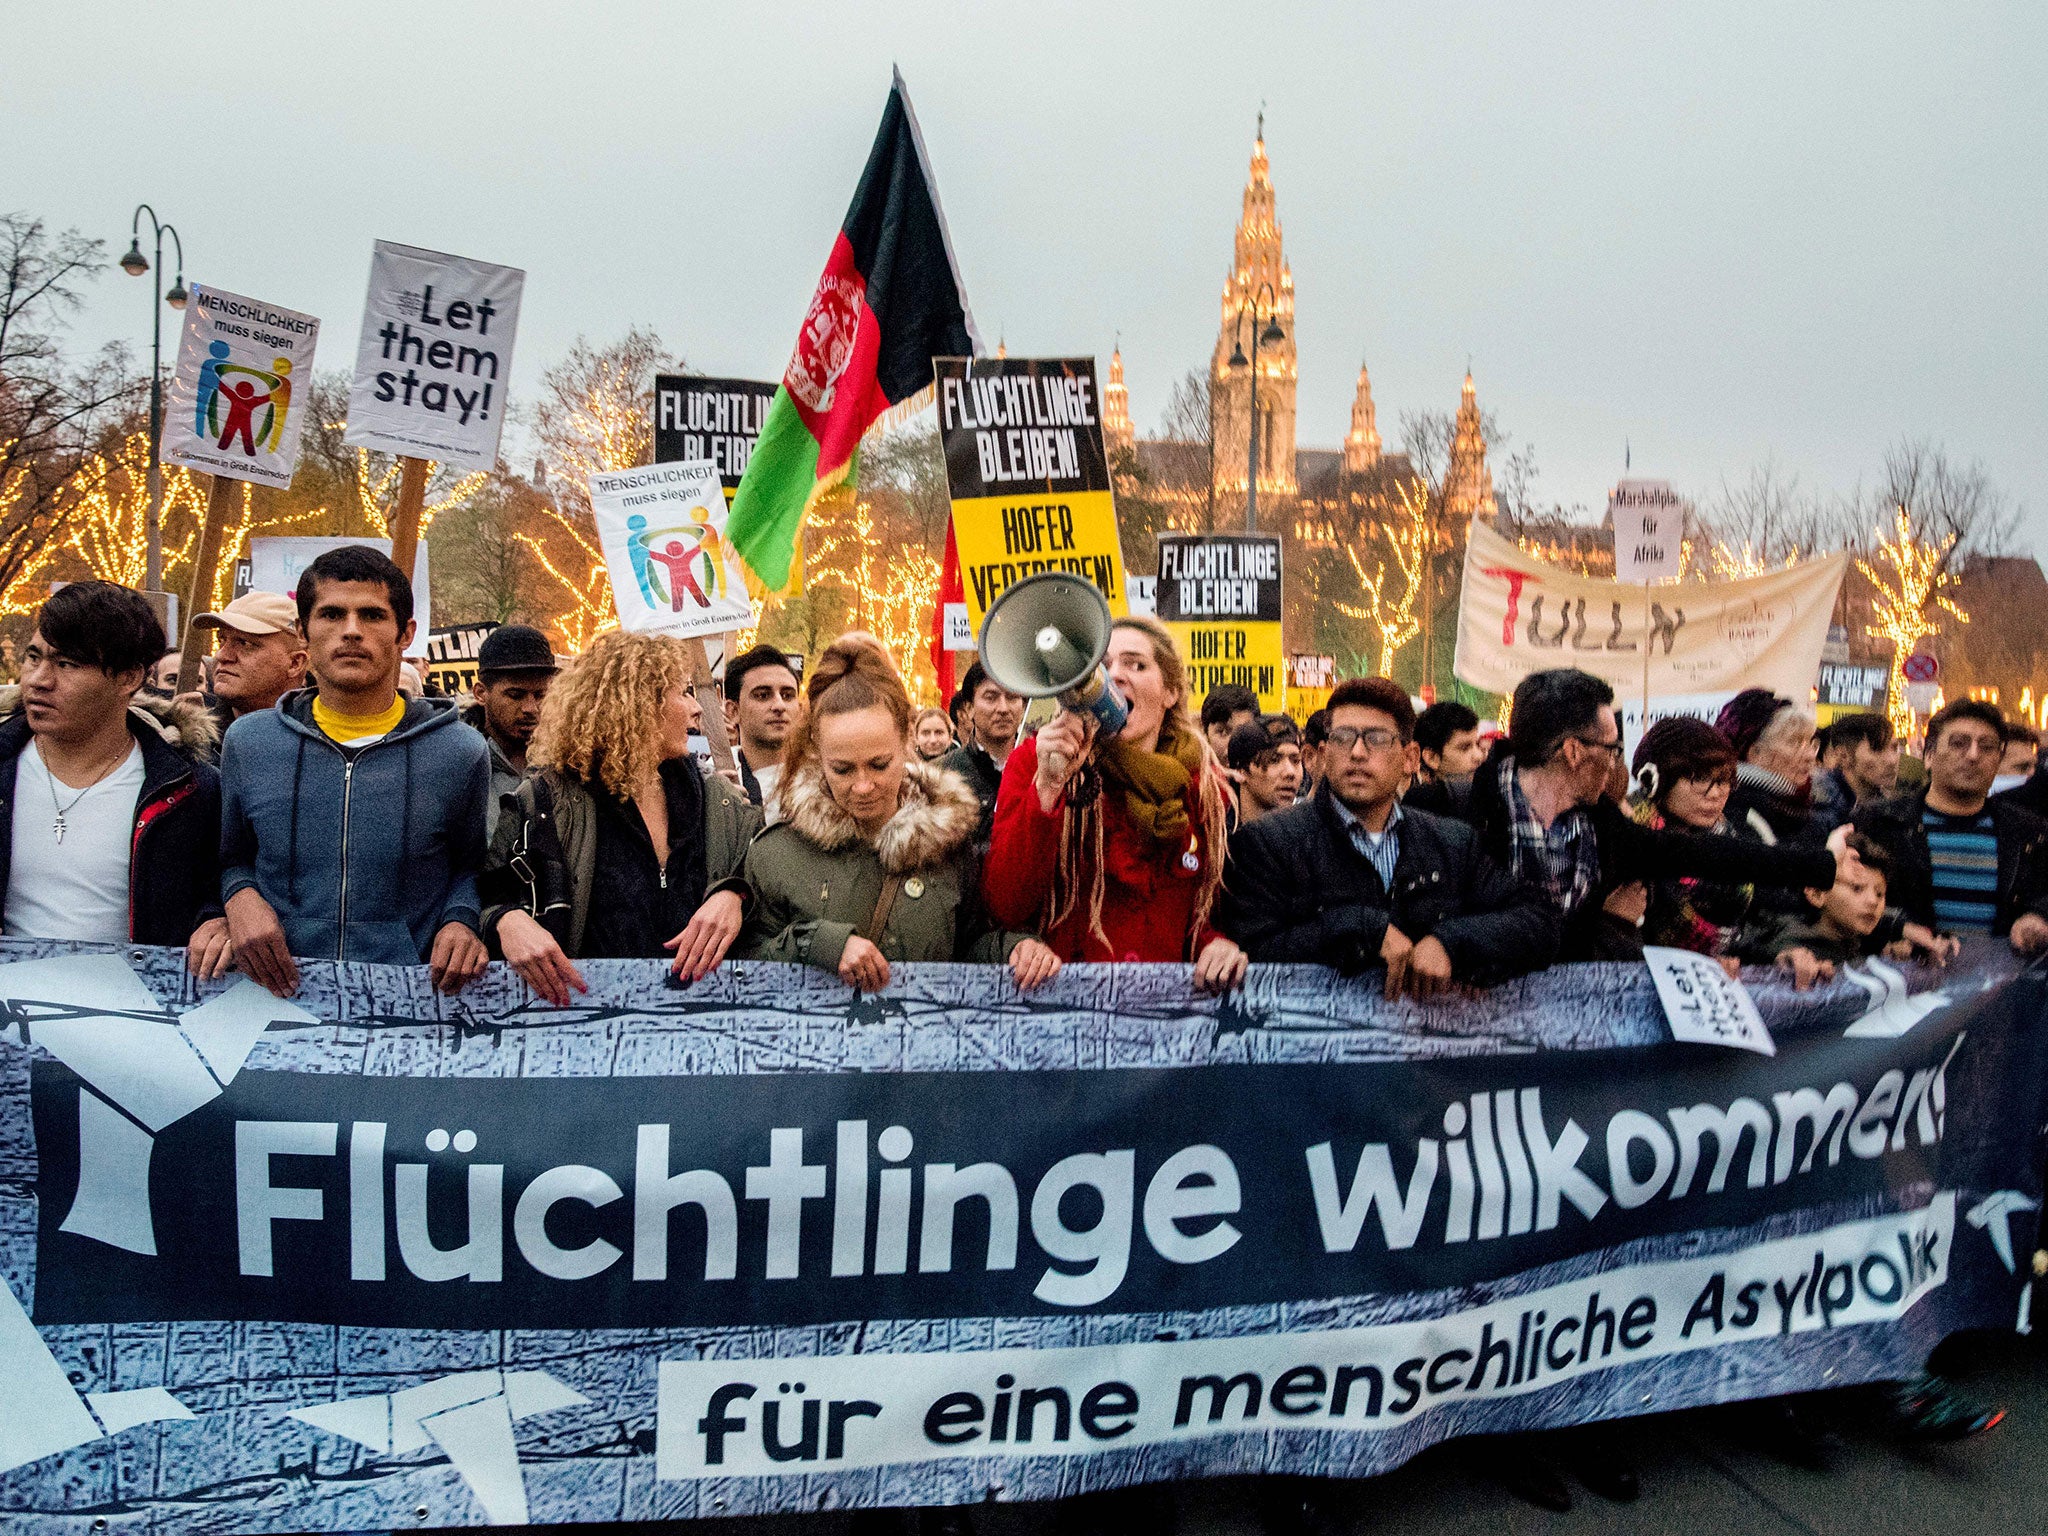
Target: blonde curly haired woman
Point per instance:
(617, 847)
(873, 860)
(1112, 848)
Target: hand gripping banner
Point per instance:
(377, 1259)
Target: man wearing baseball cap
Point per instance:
(260, 655)
(515, 667)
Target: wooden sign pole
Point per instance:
(405, 523)
(723, 752)
(199, 595)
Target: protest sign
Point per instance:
(238, 390)
(1310, 682)
(451, 659)
(1028, 475)
(1219, 595)
(1649, 530)
(1517, 615)
(709, 420)
(662, 529)
(1846, 689)
(435, 356)
(1703, 1003)
(766, 1244)
(276, 563)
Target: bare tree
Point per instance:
(1190, 417)
(903, 475)
(482, 571)
(596, 408)
(1769, 519)
(1942, 498)
(51, 413)
(1426, 439)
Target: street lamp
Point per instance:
(1269, 335)
(135, 264)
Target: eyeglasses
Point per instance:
(1378, 739)
(1613, 746)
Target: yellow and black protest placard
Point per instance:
(1219, 593)
(715, 420)
(1310, 682)
(1028, 475)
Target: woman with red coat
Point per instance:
(1112, 848)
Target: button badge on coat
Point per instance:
(914, 887)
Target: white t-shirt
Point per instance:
(77, 888)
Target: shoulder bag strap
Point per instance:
(871, 930)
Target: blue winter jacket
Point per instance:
(364, 854)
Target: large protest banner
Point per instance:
(1028, 475)
(240, 365)
(435, 356)
(1518, 615)
(714, 420)
(379, 1259)
(1219, 595)
(662, 529)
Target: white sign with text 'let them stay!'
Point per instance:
(435, 357)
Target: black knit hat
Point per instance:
(1743, 718)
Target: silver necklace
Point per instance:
(59, 826)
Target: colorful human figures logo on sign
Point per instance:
(239, 399)
(661, 552)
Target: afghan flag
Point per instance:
(890, 301)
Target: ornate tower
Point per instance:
(1468, 483)
(1118, 435)
(1362, 442)
(1258, 262)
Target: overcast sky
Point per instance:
(1722, 233)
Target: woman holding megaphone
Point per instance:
(873, 859)
(1111, 846)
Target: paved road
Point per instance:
(1699, 1479)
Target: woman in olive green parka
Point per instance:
(873, 860)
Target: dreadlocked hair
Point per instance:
(855, 672)
(1081, 824)
(601, 722)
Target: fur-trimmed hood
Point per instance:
(183, 724)
(938, 816)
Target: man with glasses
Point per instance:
(1542, 811)
(1351, 879)
(1965, 862)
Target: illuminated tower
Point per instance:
(1362, 442)
(1117, 433)
(1259, 262)
(1468, 483)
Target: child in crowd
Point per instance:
(1840, 926)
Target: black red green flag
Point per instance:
(890, 301)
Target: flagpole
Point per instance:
(1644, 724)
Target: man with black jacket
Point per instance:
(1351, 879)
(109, 814)
(1966, 861)
(1542, 811)
(993, 716)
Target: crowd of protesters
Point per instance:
(312, 804)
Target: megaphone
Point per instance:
(1045, 638)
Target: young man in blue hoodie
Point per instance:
(352, 821)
